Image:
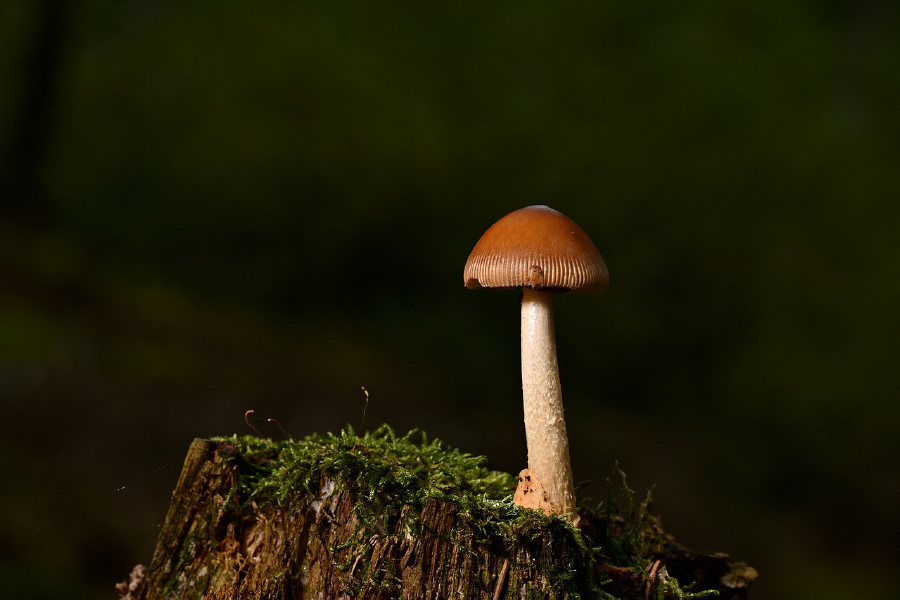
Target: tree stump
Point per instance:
(381, 517)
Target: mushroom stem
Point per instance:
(545, 425)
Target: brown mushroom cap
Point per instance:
(540, 248)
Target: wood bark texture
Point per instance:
(209, 547)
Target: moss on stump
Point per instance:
(384, 516)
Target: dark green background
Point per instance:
(210, 207)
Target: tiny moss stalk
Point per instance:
(545, 425)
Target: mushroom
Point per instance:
(544, 252)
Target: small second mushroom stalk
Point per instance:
(545, 425)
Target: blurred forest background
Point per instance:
(208, 207)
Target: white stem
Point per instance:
(545, 426)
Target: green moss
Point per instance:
(379, 465)
(387, 472)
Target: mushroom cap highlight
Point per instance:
(540, 248)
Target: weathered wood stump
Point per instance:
(381, 517)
